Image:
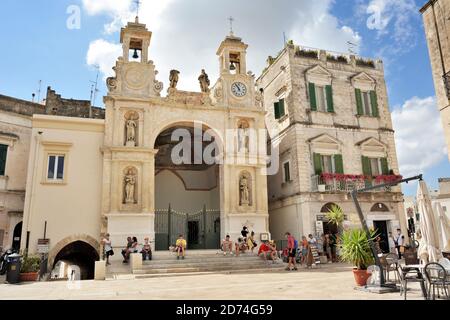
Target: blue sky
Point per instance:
(39, 46)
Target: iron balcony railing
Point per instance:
(347, 183)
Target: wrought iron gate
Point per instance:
(201, 229)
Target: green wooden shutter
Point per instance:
(282, 110)
(384, 166)
(338, 164)
(367, 170)
(312, 96)
(3, 152)
(330, 106)
(276, 107)
(317, 164)
(359, 103)
(374, 103)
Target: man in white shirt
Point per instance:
(399, 241)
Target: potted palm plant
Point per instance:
(356, 250)
(29, 270)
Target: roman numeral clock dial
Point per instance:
(239, 89)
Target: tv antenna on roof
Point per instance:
(352, 47)
(94, 90)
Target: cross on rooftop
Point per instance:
(231, 19)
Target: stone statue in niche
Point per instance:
(131, 132)
(243, 138)
(130, 183)
(204, 82)
(173, 78)
(244, 191)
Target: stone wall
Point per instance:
(438, 45)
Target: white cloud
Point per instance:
(419, 136)
(393, 19)
(103, 54)
(186, 34)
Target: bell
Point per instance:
(232, 67)
(135, 54)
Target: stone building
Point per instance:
(88, 177)
(329, 116)
(436, 17)
(15, 140)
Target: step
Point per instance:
(207, 269)
(185, 274)
(187, 264)
(174, 260)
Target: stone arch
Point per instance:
(328, 206)
(245, 179)
(379, 207)
(217, 134)
(68, 240)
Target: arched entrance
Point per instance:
(187, 186)
(81, 254)
(381, 226)
(16, 236)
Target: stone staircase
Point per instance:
(204, 262)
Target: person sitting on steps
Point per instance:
(181, 247)
(146, 250)
(227, 245)
(240, 246)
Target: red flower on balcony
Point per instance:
(341, 177)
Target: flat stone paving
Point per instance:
(324, 283)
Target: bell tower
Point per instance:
(135, 73)
(236, 86)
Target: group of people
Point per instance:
(244, 242)
(131, 247)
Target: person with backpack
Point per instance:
(292, 250)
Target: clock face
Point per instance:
(239, 89)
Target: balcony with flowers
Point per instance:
(336, 182)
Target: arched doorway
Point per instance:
(81, 254)
(16, 236)
(187, 186)
(328, 227)
(381, 226)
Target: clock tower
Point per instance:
(236, 86)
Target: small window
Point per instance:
(279, 109)
(3, 153)
(327, 164)
(55, 170)
(366, 104)
(321, 98)
(375, 166)
(286, 172)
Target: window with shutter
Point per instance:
(329, 94)
(367, 171)
(3, 154)
(384, 166)
(359, 103)
(374, 103)
(317, 164)
(287, 172)
(338, 164)
(276, 108)
(312, 97)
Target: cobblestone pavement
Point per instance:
(326, 282)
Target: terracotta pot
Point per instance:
(361, 277)
(29, 276)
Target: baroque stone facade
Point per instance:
(436, 14)
(330, 118)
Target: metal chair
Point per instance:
(437, 279)
(392, 265)
(411, 275)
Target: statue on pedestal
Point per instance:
(130, 182)
(243, 139)
(131, 131)
(244, 191)
(204, 82)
